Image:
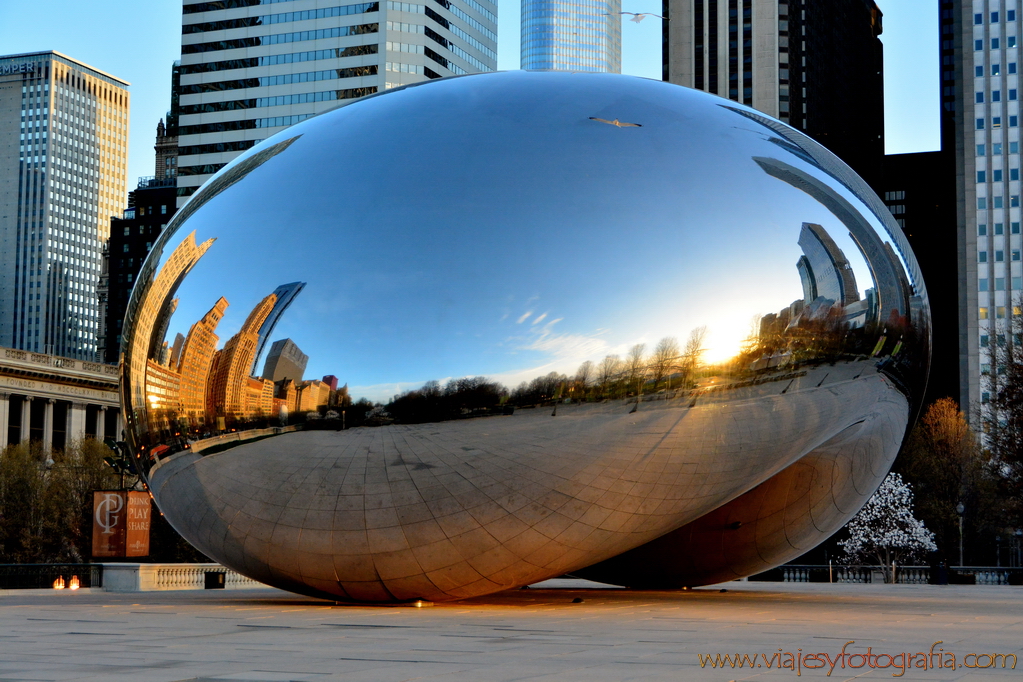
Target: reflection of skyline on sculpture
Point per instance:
(717, 314)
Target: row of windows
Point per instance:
(1010, 41)
(1016, 282)
(998, 229)
(490, 16)
(996, 69)
(283, 79)
(460, 33)
(996, 96)
(247, 124)
(996, 202)
(403, 68)
(301, 98)
(443, 61)
(996, 149)
(205, 169)
(996, 122)
(999, 256)
(999, 312)
(441, 40)
(420, 9)
(214, 5)
(996, 175)
(978, 18)
(404, 47)
(215, 147)
(290, 58)
(985, 341)
(245, 22)
(278, 38)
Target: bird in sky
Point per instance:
(637, 16)
(616, 123)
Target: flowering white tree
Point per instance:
(885, 530)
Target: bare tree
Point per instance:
(691, 355)
(634, 367)
(665, 360)
(583, 379)
(607, 373)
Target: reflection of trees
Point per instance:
(467, 397)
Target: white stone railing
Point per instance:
(163, 577)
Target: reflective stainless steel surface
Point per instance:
(578, 323)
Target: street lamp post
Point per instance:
(959, 510)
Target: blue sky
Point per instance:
(137, 41)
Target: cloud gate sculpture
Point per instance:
(467, 335)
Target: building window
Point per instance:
(980, 150)
(1013, 121)
(995, 69)
(996, 95)
(1014, 227)
(985, 369)
(981, 176)
(1010, 41)
(983, 313)
(982, 257)
(982, 230)
(978, 19)
(999, 256)
(1010, 15)
(980, 124)
(127, 230)
(985, 397)
(1014, 147)
(998, 228)
(995, 44)
(126, 248)
(996, 121)
(978, 71)
(1012, 94)
(996, 176)
(982, 284)
(984, 341)
(981, 203)
(1015, 254)
(1000, 312)
(1017, 283)
(1014, 201)
(1014, 173)
(1012, 67)
(997, 202)
(980, 98)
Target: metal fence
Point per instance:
(906, 575)
(41, 576)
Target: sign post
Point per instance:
(120, 523)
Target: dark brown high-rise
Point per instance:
(815, 64)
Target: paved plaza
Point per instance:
(557, 630)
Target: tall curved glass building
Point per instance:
(572, 35)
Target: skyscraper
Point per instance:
(251, 68)
(815, 65)
(285, 361)
(284, 294)
(981, 100)
(63, 166)
(572, 35)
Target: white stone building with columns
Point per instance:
(56, 400)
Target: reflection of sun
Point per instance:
(725, 336)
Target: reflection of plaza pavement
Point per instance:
(534, 634)
(459, 508)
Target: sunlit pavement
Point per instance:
(540, 633)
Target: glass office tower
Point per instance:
(63, 166)
(585, 35)
(250, 68)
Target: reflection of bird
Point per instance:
(638, 16)
(616, 123)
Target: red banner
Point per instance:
(120, 523)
